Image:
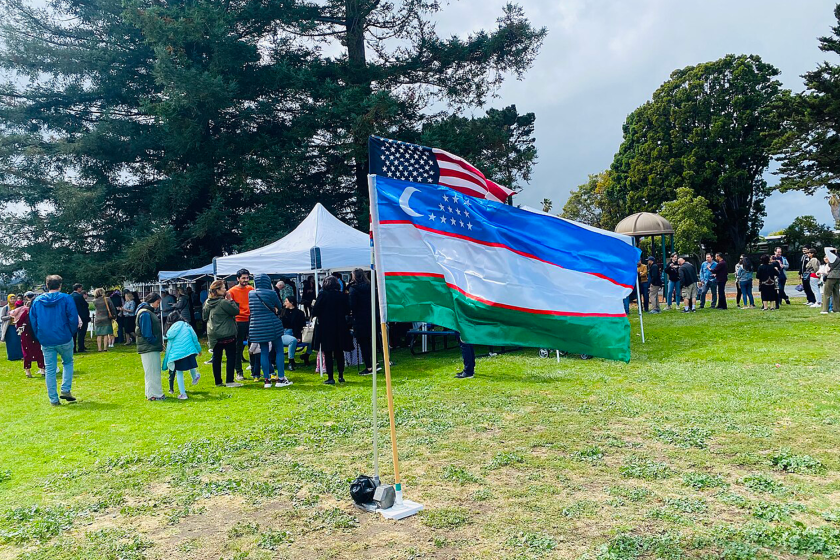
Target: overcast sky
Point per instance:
(604, 58)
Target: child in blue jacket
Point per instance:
(182, 347)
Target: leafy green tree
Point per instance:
(139, 135)
(547, 205)
(810, 150)
(806, 231)
(692, 220)
(587, 202)
(709, 128)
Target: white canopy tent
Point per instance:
(341, 248)
(190, 274)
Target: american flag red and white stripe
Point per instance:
(419, 164)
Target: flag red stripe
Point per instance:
(497, 245)
(446, 156)
(503, 305)
(444, 172)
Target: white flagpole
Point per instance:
(374, 393)
(641, 310)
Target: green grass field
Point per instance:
(718, 440)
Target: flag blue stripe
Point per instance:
(544, 237)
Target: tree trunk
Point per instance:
(359, 79)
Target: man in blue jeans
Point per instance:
(674, 293)
(54, 321)
(708, 283)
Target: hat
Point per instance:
(651, 259)
(827, 249)
(29, 295)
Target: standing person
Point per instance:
(167, 305)
(673, 272)
(308, 295)
(644, 282)
(149, 345)
(831, 289)
(784, 266)
(655, 278)
(219, 314)
(266, 329)
(767, 274)
(745, 280)
(83, 310)
(182, 347)
(9, 333)
(707, 281)
(117, 302)
(293, 322)
(54, 321)
(239, 294)
(805, 276)
(182, 306)
(721, 274)
(28, 343)
(688, 280)
(360, 310)
(331, 333)
(738, 268)
(468, 357)
(811, 269)
(102, 321)
(203, 295)
(128, 312)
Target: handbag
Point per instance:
(307, 333)
(799, 288)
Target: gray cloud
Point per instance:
(602, 59)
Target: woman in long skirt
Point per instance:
(10, 335)
(31, 347)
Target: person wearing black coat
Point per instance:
(84, 315)
(360, 310)
(332, 334)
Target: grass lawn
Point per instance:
(719, 440)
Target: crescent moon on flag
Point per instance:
(404, 197)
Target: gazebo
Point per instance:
(647, 224)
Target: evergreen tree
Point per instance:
(137, 135)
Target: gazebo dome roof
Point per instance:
(644, 223)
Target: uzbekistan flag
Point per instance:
(497, 274)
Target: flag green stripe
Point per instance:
(412, 298)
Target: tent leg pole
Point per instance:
(639, 305)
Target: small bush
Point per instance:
(590, 454)
(242, 528)
(787, 461)
(482, 495)
(36, 523)
(768, 511)
(635, 494)
(534, 542)
(271, 539)
(687, 505)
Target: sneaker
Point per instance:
(42, 373)
(823, 312)
(240, 378)
(341, 379)
(329, 382)
(233, 385)
(267, 385)
(366, 371)
(171, 391)
(283, 382)
(291, 365)
(197, 377)
(209, 362)
(684, 311)
(68, 397)
(182, 397)
(56, 403)
(464, 375)
(248, 368)
(28, 373)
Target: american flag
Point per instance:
(419, 164)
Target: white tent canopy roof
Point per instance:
(342, 247)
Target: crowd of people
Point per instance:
(262, 319)
(686, 289)
(265, 320)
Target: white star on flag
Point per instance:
(432, 217)
(453, 221)
(469, 226)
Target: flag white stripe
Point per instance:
(455, 167)
(505, 277)
(457, 182)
